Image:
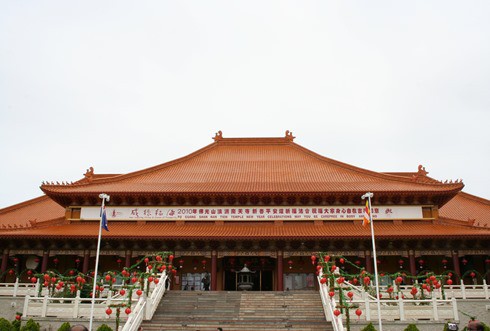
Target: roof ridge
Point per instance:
(371, 172)
(23, 204)
(474, 198)
(138, 172)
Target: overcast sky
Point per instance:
(125, 85)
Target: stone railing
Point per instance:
(434, 308)
(329, 305)
(18, 289)
(76, 307)
(146, 307)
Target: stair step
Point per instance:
(270, 311)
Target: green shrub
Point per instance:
(16, 325)
(104, 327)
(369, 327)
(65, 327)
(5, 325)
(31, 325)
(411, 327)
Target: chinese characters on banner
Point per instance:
(255, 213)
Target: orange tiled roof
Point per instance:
(30, 213)
(467, 208)
(253, 165)
(255, 230)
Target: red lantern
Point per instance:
(390, 289)
(33, 280)
(72, 288)
(134, 280)
(108, 311)
(444, 261)
(79, 279)
(156, 281)
(366, 280)
(139, 292)
(331, 294)
(350, 295)
(119, 261)
(358, 312)
(449, 282)
(336, 312)
(127, 311)
(18, 317)
(323, 280)
(16, 260)
(465, 261)
(472, 274)
(174, 272)
(170, 258)
(108, 278)
(56, 261)
(147, 260)
(11, 271)
(400, 262)
(181, 263)
(355, 281)
(313, 259)
(150, 279)
(290, 262)
(399, 280)
(158, 258)
(77, 261)
(358, 262)
(122, 292)
(342, 260)
(326, 258)
(413, 291)
(318, 267)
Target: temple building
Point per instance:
(265, 203)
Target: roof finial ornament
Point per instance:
(218, 136)
(421, 173)
(89, 174)
(289, 135)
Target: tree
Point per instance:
(65, 327)
(31, 325)
(411, 327)
(369, 327)
(5, 325)
(104, 327)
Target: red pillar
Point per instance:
(369, 262)
(5, 261)
(129, 255)
(413, 266)
(280, 274)
(44, 263)
(86, 261)
(457, 268)
(214, 270)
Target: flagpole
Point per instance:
(369, 195)
(104, 198)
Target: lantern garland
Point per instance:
(134, 280)
(340, 281)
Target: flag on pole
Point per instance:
(104, 219)
(366, 220)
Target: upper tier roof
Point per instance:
(254, 165)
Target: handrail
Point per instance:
(146, 306)
(328, 306)
(136, 317)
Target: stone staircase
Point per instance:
(205, 311)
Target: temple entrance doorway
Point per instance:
(262, 272)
